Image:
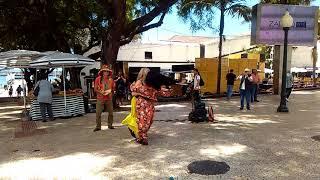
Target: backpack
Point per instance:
(199, 113)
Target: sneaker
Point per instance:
(241, 108)
(248, 108)
(256, 101)
(111, 127)
(44, 120)
(97, 129)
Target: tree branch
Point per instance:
(90, 46)
(154, 25)
(146, 19)
(142, 29)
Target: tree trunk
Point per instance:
(111, 39)
(110, 50)
(222, 10)
(75, 77)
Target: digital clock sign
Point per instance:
(266, 28)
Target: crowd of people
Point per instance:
(147, 87)
(249, 86)
(145, 90)
(19, 91)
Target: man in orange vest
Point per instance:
(104, 87)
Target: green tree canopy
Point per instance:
(44, 25)
(50, 25)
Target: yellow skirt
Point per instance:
(131, 119)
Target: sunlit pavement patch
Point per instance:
(208, 167)
(316, 138)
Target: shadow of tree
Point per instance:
(257, 144)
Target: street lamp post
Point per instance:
(286, 23)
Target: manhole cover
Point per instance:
(208, 167)
(316, 138)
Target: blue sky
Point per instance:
(174, 25)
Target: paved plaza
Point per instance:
(256, 144)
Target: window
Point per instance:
(244, 56)
(147, 55)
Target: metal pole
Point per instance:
(283, 103)
(315, 57)
(64, 91)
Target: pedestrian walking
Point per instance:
(19, 91)
(231, 77)
(104, 86)
(255, 86)
(10, 91)
(45, 90)
(245, 87)
(289, 85)
(120, 89)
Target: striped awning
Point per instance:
(59, 59)
(19, 58)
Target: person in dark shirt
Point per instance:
(245, 88)
(10, 91)
(120, 88)
(19, 90)
(231, 77)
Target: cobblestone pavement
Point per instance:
(256, 144)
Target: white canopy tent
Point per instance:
(64, 60)
(298, 70)
(266, 70)
(19, 59)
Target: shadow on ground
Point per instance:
(257, 144)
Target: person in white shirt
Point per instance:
(196, 85)
(245, 87)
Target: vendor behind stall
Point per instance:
(61, 85)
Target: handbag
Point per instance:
(36, 91)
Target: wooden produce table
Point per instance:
(75, 106)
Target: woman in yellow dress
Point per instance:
(131, 119)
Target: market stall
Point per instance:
(181, 89)
(65, 103)
(73, 101)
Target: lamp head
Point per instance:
(286, 20)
